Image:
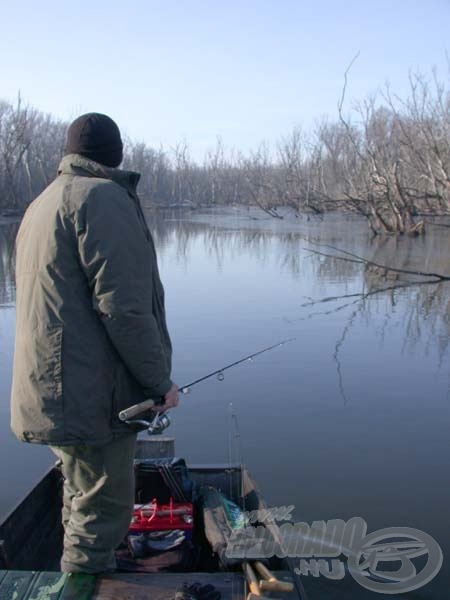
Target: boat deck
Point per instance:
(31, 544)
(34, 585)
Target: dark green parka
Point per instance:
(91, 334)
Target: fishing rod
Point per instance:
(161, 421)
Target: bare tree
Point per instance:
(388, 160)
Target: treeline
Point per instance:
(388, 159)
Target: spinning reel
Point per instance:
(155, 426)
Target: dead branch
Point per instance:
(360, 259)
(365, 295)
(337, 349)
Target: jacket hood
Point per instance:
(76, 164)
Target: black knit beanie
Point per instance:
(97, 137)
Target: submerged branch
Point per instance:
(358, 298)
(437, 224)
(337, 349)
(365, 295)
(355, 258)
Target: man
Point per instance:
(91, 336)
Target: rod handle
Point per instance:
(270, 583)
(136, 409)
(263, 570)
(251, 579)
(276, 586)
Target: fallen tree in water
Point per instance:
(379, 280)
(383, 269)
(399, 156)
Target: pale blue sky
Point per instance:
(247, 70)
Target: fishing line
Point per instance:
(235, 443)
(238, 442)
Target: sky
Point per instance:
(247, 71)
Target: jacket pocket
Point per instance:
(47, 374)
(37, 411)
(56, 336)
(126, 392)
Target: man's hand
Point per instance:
(170, 399)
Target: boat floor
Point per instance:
(32, 585)
(162, 586)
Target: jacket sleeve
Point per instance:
(119, 263)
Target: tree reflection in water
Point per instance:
(421, 310)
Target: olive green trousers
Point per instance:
(97, 502)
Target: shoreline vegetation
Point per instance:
(387, 159)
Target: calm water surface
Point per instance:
(351, 419)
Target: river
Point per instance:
(351, 419)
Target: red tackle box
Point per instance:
(162, 517)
